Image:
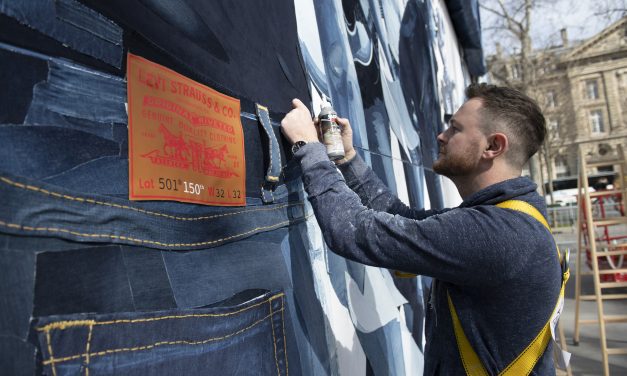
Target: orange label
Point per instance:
(186, 141)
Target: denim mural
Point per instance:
(92, 282)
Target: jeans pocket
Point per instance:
(246, 338)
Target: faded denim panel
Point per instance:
(243, 339)
(340, 69)
(71, 23)
(76, 91)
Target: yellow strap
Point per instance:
(525, 361)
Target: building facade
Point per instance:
(581, 87)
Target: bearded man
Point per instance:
(498, 277)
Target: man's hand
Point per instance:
(297, 124)
(347, 141)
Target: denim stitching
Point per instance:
(287, 368)
(91, 327)
(49, 341)
(143, 241)
(276, 361)
(125, 207)
(62, 325)
(148, 347)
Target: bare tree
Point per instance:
(512, 20)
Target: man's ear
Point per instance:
(498, 144)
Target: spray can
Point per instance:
(331, 131)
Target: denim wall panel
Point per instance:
(91, 282)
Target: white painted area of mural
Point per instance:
(412, 356)
(345, 351)
(379, 303)
(399, 170)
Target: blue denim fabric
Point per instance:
(223, 44)
(76, 104)
(71, 23)
(242, 339)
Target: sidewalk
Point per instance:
(586, 357)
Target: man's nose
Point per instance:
(441, 139)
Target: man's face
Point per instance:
(462, 144)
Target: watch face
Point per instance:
(297, 145)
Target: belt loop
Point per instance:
(274, 168)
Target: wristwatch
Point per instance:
(297, 145)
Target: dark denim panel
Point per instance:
(17, 357)
(148, 278)
(417, 73)
(71, 23)
(42, 151)
(56, 212)
(244, 339)
(82, 280)
(225, 43)
(17, 281)
(204, 277)
(20, 73)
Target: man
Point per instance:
(497, 275)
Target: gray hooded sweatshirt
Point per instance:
(499, 266)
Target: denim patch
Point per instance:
(71, 23)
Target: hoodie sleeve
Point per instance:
(448, 246)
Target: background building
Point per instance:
(581, 86)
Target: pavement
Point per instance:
(586, 356)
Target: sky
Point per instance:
(549, 16)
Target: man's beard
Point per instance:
(453, 165)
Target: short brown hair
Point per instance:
(513, 113)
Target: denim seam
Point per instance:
(287, 367)
(95, 202)
(53, 361)
(91, 329)
(276, 361)
(62, 325)
(143, 241)
(49, 342)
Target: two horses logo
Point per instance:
(178, 153)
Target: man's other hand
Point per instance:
(347, 140)
(297, 125)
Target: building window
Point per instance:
(551, 99)
(561, 168)
(596, 121)
(592, 89)
(554, 128)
